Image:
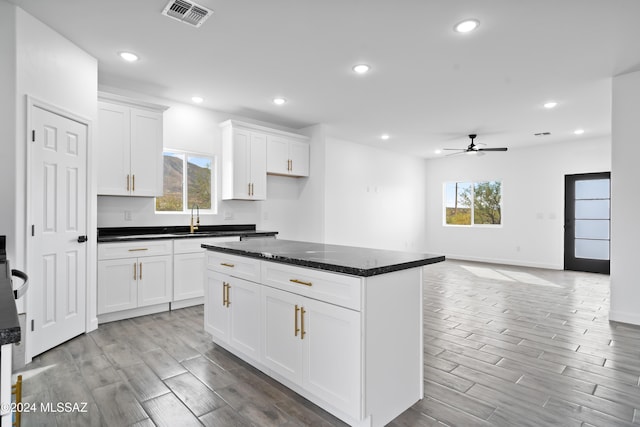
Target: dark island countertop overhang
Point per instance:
(363, 262)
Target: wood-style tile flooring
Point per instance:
(504, 346)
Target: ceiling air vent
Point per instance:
(187, 12)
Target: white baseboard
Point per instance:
(624, 317)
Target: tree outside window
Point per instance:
(473, 203)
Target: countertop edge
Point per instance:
(204, 235)
(375, 271)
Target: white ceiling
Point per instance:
(428, 88)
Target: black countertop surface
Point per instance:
(124, 234)
(340, 259)
(9, 324)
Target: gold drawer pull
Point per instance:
(300, 282)
(302, 331)
(296, 328)
(227, 264)
(138, 249)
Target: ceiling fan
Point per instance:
(473, 148)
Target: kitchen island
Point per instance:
(341, 326)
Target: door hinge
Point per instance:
(33, 135)
(32, 325)
(33, 230)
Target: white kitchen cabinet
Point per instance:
(315, 345)
(234, 313)
(129, 145)
(352, 345)
(244, 163)
(287, 156)
(188, 267)
(134, 276)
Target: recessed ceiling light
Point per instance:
(578, 131)
(279, 101)
(129, 56)
(384, 136)
(550, 104)
(197, 99)
(438, 151)
(361, 68)
(466, 26)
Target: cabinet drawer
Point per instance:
(236, 266)
(333, 288)
(134, 249)
(192, 244)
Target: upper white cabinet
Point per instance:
(129, 145)
(287, 156)
(244, 162)
(251, 151)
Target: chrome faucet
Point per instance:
(194, 227)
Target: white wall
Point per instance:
(374, 197)
(532, 233)
(8, 190)
(625, 234)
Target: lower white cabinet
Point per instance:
(315, 345)
(352, 345)
(188, 265)
(233, 316)
(133, 282)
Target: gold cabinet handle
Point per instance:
(133, 182)
(302, 331)
(224, 294)
(140, 271)
(128, 180)
(249, 189)
(296, 329)
(138, 249)
(228, 287)
(135, 271)
(226, 264)
(300, 282)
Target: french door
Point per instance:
(587, 222)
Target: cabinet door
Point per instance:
(299, 156)
(146, 153)
(332, 354)
(282, 350)
(244, 309)
(113, 149)
(154, 280)
(216, 314)
(117, 285)
(188, 275)
(277, 155)
(258, 166)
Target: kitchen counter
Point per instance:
(355, 261)
(124, 234)
(9, 325)
(342, 326)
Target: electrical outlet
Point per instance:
(127, 216)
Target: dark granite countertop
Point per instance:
(9, 324)
(125, 234)
(340, 259)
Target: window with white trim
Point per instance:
(473, 203)
(188, 181)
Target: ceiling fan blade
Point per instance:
(492, 149)
(455, 149)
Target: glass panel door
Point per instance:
(587, 222)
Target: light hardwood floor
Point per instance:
(504, 346)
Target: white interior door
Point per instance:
(58, 177)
